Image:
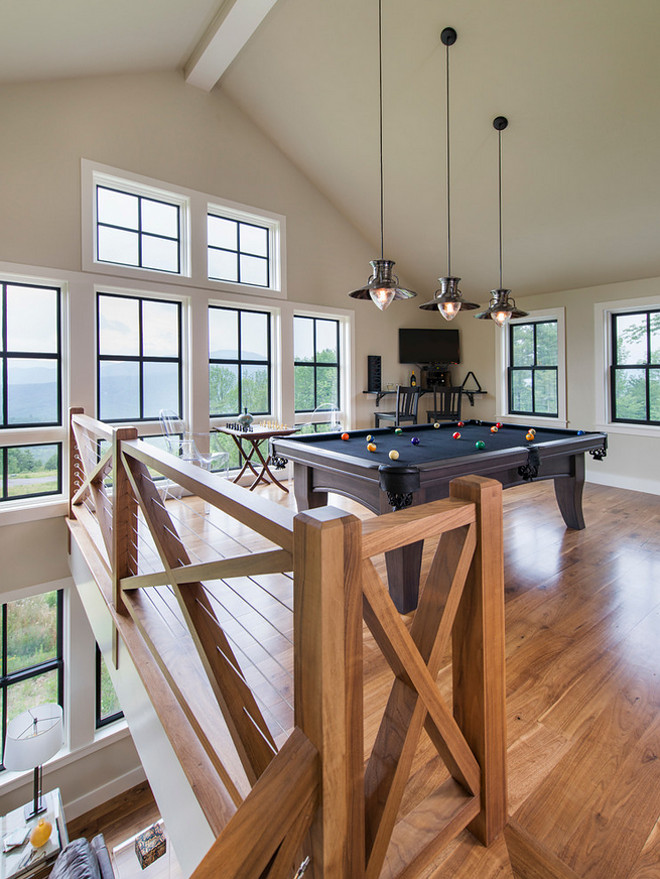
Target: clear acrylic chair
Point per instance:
(181, 443)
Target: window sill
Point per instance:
(533, 420)
(18, 512)
(645, 430)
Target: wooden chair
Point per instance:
(407, 401)
(446, 405)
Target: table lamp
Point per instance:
(32, 738)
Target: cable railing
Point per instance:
(249, 625)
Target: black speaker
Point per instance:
(373, 373)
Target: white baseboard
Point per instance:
(100, 795)
(630, 483)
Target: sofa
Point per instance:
(83, 860)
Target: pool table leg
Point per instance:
(403, 569)
(568, 491)
(306, 499)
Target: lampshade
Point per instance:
(383, 285)
(448, 300)
(33, 737)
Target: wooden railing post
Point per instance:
(124, 525)
(328, 682)
(479, 671)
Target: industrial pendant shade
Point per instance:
(448, 299)
(383, 285)
(502, 306)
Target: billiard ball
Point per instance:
(580, 433)
(499, 424)
(415, 441)
(371, 447)
(456, 435)
(344, 436)
(480, 444)
(529, 437)
(394, 455)
(398, 430)
(369, 438)
(436, 425)
(532, 430)
(494, 429)
(461, 424)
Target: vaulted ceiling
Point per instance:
(578, 80)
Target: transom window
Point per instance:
(137, 230)
(32, 670)
(238, 251)
(240, 363)
(635, 368)
(533, 368)
(139, 357)
(30, 352)
(316, 364)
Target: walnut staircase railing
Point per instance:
(283, 780)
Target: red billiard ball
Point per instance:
(345, 436)
(456, 435)
(461, 424)
(499, 424)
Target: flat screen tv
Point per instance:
(428, 346)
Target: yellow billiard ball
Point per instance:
(436, 425)
(369, 438)
(394, 455)
(371, 447)
(529, 437)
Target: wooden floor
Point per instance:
(583, 691)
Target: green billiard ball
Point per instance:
(480, 444)
(398, 430)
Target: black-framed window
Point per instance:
(238, 251)
(31, 355)
(137, 230)
(29, 471)
(240, 361)
(316, 359)
(108, 708)
(32, 661)
(635, 367)
(533, 368)
(139, 363)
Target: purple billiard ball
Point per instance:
(415, 441)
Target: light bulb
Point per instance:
(382, 296)
(501, 318)
(449, 309)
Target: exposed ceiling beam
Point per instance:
(232, 27)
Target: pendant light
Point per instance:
(502, 305)
(383, 285)
(448, 299)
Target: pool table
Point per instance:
(323, 462)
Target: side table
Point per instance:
(24, 861)
(253, 438)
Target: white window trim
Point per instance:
(603, 358)
(195, 207)
(502, 362)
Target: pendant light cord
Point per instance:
(499, 135)
(380, 92)
(448, 169)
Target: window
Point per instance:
(635, 366)
(240, 364)
(139, 357)
(137, 230)
(316, 364)
(238, 251)
(30, 471)
(32, 665)
(108, 708)
(30, 348)
(533, 387)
